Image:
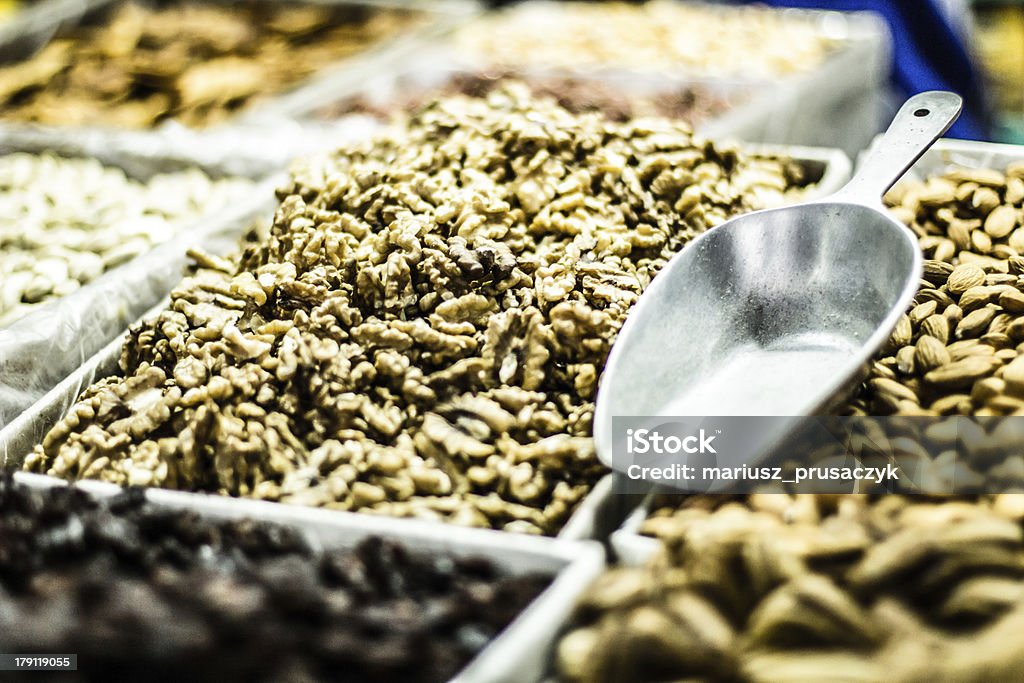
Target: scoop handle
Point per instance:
(920, 121)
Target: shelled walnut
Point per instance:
(422, 331)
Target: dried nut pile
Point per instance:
(753, 42)
(422, 332)
(194, 63)
(779, 589)
(133, 589)
(693, 104)
(958, 350)
(65, 221)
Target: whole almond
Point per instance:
(937, 295)
(976, 297)
(905, 360)
(937, 272)
(1003, 251)
(997, 340)
(1016, 330)
(981, 241)
(961, 373)
(929, 354)
(964, 277)
(938, 191)
(1013, 375)
(952, 403)
(979, 176)
(1001, 221)
(936, 326)
(946, 251)
(987, 389)
(968, 347)
(960, 233)
(976, 322)
(922, 311)
(893, 389)
(1014, 191)
(1017, 240)
(1012, 301)
(1000, 323)
(903, 334)
(954, 314)
(985, 199)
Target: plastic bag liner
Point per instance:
(42, 348)
(254, 150)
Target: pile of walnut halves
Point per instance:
(422, 331)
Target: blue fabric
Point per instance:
(928, 55)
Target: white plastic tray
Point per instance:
(520, 654)
(837, 104)
(595, 517)
(43, 347)
(948, 153)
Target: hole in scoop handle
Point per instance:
(920, 121)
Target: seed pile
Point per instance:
(957, 351)
(752, 42)
(422, 332)
(693, 104)
(140, 592)
(64, 221)
(195, 63)
(780, 588)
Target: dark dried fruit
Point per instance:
(143, 593)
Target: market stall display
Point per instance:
(656, 51)
(420, 362)
(955, 351)
(336, 423)
(128, 64)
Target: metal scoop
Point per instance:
(777, 311)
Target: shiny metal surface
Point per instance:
(777, 311)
